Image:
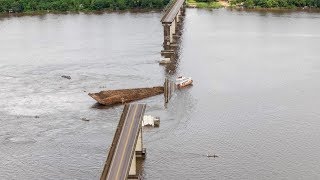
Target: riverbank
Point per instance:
(213, 4)
(38, 6)
(107, 11)
(256, 4)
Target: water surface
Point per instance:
(254, 102)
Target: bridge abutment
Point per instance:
(167, 36)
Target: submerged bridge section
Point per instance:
(126, 146)
(171, 22)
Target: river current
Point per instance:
(254, 102)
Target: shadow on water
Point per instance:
(100, 106)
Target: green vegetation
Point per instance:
(277, 3)
(77, 5)
(204, 3)
(209, 5)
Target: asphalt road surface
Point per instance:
(168, 18)
(120, 164)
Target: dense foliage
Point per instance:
(278, 3)
(207, 1)
(76, 5)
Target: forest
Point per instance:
(289, 4)
(279, 3)
(16, 6)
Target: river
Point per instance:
(254, 103)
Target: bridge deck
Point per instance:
(172, 12)
(120, 157)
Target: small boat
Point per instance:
(183, 81)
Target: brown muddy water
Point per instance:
(255, 100)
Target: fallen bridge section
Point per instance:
(126, 145)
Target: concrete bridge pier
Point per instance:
(183, 10)
(167, 35)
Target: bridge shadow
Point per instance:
(100, 106)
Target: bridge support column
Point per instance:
(172, 30)
(183, 10)
(175, 32)
(167, 36)
(178, 17)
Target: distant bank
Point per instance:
(255, 4)
(34, 6)
(25, 6)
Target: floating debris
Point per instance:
(66, 77)
(121, 96)
(151, 121)
(85, 119)
(210, 155)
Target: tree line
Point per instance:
(278, 3)
(77, 5)
(272, 3)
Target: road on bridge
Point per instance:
(120, 164)
(172, 12)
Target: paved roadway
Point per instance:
(172, 12)
(120, 164)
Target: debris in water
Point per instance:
(67, 77)
(121, 96)
(85, 119)
(151, 121)
(214, 155)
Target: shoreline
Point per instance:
(214, 5)
(226, 4)
(37, 13)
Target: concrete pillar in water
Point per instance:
(183, 10)
(174, 25)
(178, 16)
(167, 35)
(172, 30)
